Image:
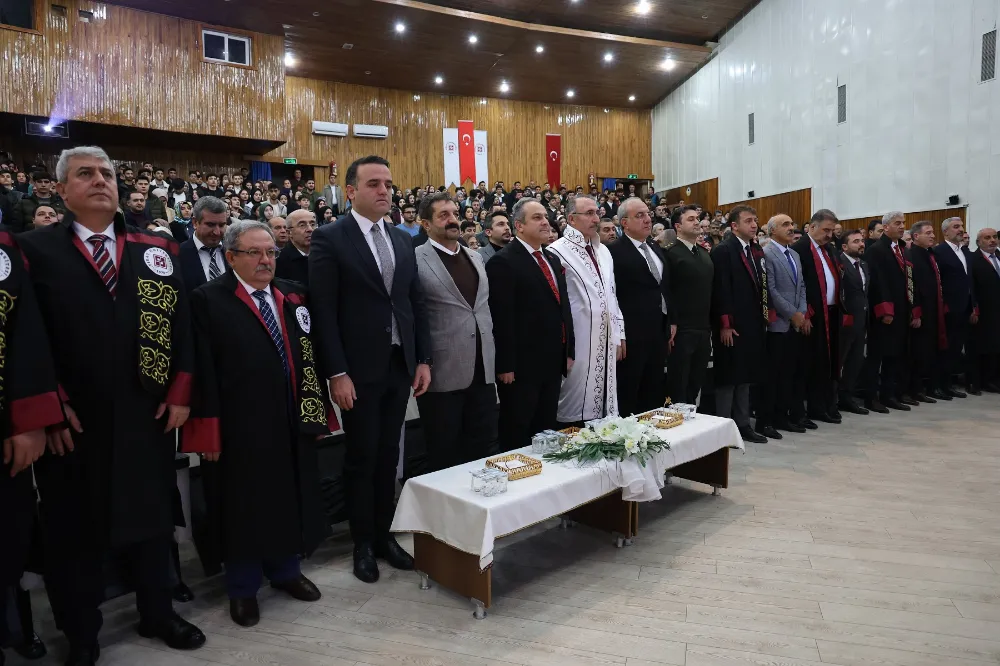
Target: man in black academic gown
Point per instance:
(293, 261)
(889, 295)
(201, 258)
(257, 410)
(28, 404)
(116, 310)
(532, 328)
(984, 362)
(929, 341)
(373, 344)
(739, 320)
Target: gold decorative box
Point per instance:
(528, 467)
(662, 418)
(569, 432)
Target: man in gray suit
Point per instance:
(459, 410)
(334, 196)
(497, 232)
(776, 402)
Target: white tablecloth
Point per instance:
(443, 504)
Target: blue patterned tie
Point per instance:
(791, 264)
(272, 326)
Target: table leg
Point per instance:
(712, 469)
(609, 513)
(452, 569)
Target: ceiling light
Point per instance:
(315, 13)
(504, 87)
(704, 16)
(416, 98)
(607, 111)
(608, 57)
(570, 92)
(438, 80)
(482, 101)
(47, 128)
(289, 60)
(473, 39)
(631, 98)
(643, 7)
(668, 64)
(539, 49)
(400, 27)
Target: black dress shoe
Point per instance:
(938, 394)
(175, 631)
(365, 567)
(853, 408)
(892, 403)
(907, 400)
(749, 435)
(300, 588)
(245, 612)
(769, 432)
(824, 418)
(32, 649)
(974, 390)
(393, 553)
(923, 397)
(79, 656)
(955, 393)
(808, 424)
(182, 593)
(991, 388)
(789, 427)
(876, 406)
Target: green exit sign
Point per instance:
(290, 160)
(631, 176)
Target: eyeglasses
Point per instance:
(255, 253)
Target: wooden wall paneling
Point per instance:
(796, 204)
(128, 67)
(705, 193)
(610, 144)
(936, 216)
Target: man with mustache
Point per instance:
(260, 473)
(293, 262)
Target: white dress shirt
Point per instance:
(854, 262)
(831, 295)
(438, 246)
(961, 255)
(656, 259)
(204, 257)
(110, 244)
(269, 297)
(532, 251)
(989, 258)
(366, 226)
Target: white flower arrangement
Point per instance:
(612, 438)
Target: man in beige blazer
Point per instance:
(459, 410)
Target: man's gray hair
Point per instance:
(518, 213)
(944, 225)
(571, 204)
(892, 215)
(772, 224)
(209, 203)
(62, 166)
(623, 207)
(236, 230)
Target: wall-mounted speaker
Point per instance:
(952, 199)
(750, 194)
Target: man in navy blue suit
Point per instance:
(201, 257)
(959, 300)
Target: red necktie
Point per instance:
(593, 258)
(899, 257)
(105, 266)
(551, 280)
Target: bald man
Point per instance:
(984, 368)
(293, 262)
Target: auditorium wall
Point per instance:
(920, 125)
(612, 144)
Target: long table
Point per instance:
(455, 529)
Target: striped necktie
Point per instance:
(272, 326)
(105, 266)
(213, 267)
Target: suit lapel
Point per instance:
(430, 256)
(353, 231)
(530, 260)
(638, 257)
(779, 258)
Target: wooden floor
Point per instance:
(873, 542)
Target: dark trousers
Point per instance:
(687, 364)
(641, 384)
(526, 408)
(733, 402)
(776, 401)
(821, 366)
(852, 357)
(243, 577)
(372, 431)
(459, 426)
(957, 330)
(881, 375)
(75, 582)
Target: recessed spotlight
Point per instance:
(368, 71)
(504, 87)
(473, 39)
(608, 57)
(416, 98)
(315, 13)
(607, 110)
(400, 27)
(704, 17)
(643, 7)
(439, 80)
(482, 101)
(289, 60)
(631, 98)
(570, 93)
(668, 64)
(539, 49)
(286, 26)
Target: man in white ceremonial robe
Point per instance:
(589, 390)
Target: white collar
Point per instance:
(365, 224)
(84, 233)
(743, 243)
(638, 244)
(953, 247)
(851, 259)
(527, 247)
(438, 246)
(250, 290)
(575, 236)
(689, 246)
(813, 241)
(198, 244)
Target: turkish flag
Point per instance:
(466, 151)
(553, 159)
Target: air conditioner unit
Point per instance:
(371, 131)
(329, 129)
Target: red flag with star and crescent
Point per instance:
(553, 159)
(467, 150)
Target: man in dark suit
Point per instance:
(643, 287)
(532, 328)
(890, 307)
(821, 276)
(373, 343)
(854, 283)
(984, 265)
(928, 342)
(293, 262)
(740, 312)
(875, 229)
(689, 272)
(201, 258)
(960, 304)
